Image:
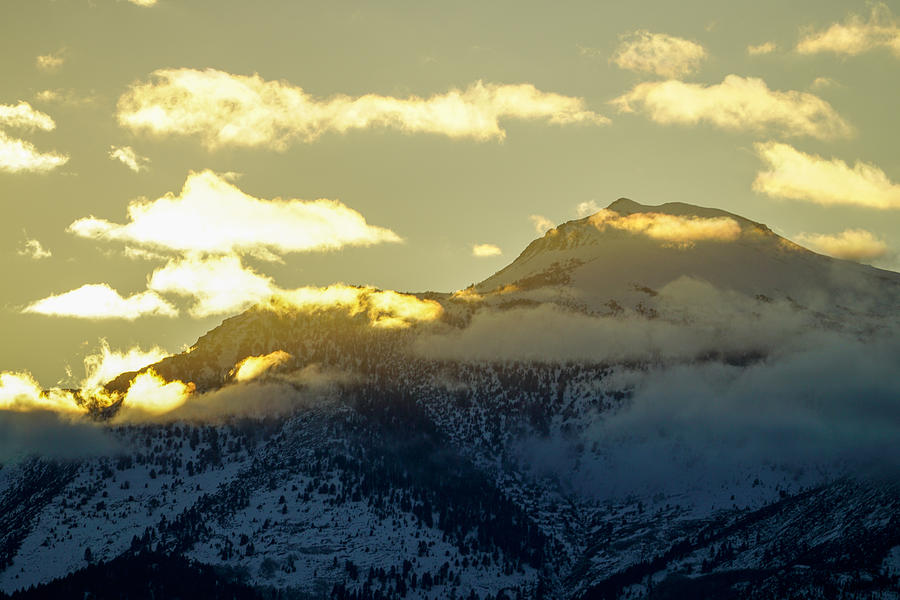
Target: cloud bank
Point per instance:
(669, 228)
(223, 109)
(851, 244)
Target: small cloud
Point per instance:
(253, 367)
(223, 109)
(855, 35)
(127, 156)
(659, 53)
(585, 209)
(737, 104)
(812, 178)
(144, 3)
(541, 224)
(212, 215)
(851, 244)
(486, 250)
(66, 97)
(23, 116)
(820, 83)
(17, 155)
(764, 48)
(100, 301)
(33, 249)
(52, 61)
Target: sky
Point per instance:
(163, 164)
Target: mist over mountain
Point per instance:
(649, 402)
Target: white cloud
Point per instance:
(234, 110)
(738, 104)
(764, 48)
(812, 178)
(128, 157)
(659, 53)
(486, 250)
(855, 35)
(541, 224)
(34, 249)
(212, 215)
(585, 209)
(851, 244)
(17, 155)
(100, 301)
(216, 285)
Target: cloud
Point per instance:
(851, 244)
(486, 250)
(223, 109)
(587, 208)
(68, 97)
(144, 3)
(670, 228)
(659, 53)
(812, 178)
(217, 285)
(100, 301)
(48, 434)
(212, 215)
(106, 364)
(736, 104)
(20, 392)
(856, 36)
(253, 367)
(34, 249)
(150, 395)
(764, 48)
(17, 155)
(50, 62)
(821, 83)
(541, 224)
(127, 156)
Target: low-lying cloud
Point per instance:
(669, 228)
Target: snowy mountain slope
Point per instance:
(503, 450)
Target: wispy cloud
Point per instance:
(33, 249)
(50, 62)
(812, 178)
(128, 157)
(658, 53)
(587, 208)
(541, 224)
(851, 244)
(223, 109)
(100, 301)
(764, 48)
(486, 250)
(856, 35)
(213, 215)
(106, 364)
(17, 155)
(737, 104)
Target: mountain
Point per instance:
(651, 402)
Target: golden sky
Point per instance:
(165, 163)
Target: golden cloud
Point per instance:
(213, 215)
(106, 364)
(144, 3)
(764, 48)
(18, 155)
(659, 53)
(20, 392)
(235, 110)
(486, 250)
(100, 301)
(541, 224)
(851, 244)
(149, 394)
(738, 104)
(34, 249)
(812, 178)
(670, 228)
(217, 285)
(253, 366)
(128, 157)
(855, 35)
